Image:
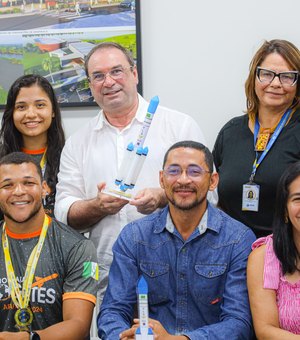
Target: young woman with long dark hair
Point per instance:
(32, 123)
(273, 272)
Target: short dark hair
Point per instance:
(107, 45)
(193, 145)
(283, 241)
(20, 158)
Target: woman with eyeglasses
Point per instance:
(32, 123)
(252, 151)
(273, 271)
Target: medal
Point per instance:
(23, 318)
(20, 298)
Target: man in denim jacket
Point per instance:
(192, 255)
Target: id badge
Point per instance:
(250, 197)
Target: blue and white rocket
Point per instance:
(143, 332)
(135, 154)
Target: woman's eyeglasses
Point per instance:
(288, 78)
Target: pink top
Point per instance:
(287, 294)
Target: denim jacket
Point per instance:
(196, 287)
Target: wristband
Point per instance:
(34, 336)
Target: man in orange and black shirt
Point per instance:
(48, 272)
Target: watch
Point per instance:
(34, 336)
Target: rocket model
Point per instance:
(134, 156)
(143, 332)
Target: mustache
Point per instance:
(111, 90)
(185, 188)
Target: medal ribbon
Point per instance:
(275, 135)
(21, 300)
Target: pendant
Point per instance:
(23, 318)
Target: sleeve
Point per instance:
(117, 309)
(70, 186)
(190, 130)
(235, 318)
(82, 273)
(217, 150)
(272, 266)
(259, 242)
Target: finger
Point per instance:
(144, 201)
(101, 186)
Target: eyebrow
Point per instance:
(295, 194)
(273, 71)
(10, 179)
(192, 164)
(96, 72)
(37, 100)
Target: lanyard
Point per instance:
(275, 135)
(21, 300)
(43, 163)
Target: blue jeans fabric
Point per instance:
(197, 287)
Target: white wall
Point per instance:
(196, 54)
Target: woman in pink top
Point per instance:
(273, 272)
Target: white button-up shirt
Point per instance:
(95, 152)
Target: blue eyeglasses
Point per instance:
(192, 171)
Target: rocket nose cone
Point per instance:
(153, 104)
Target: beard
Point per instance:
(182, 205)
(35, 210)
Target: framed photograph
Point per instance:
(52, 38)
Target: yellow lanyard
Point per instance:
(43, 163)
(21, 299)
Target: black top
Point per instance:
(234, 156)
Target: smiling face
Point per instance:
(21, 192)
(274, 96)
(183, 192)
(293, 205)
(118, 95)
(33, 115)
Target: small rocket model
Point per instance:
(134, 157)
(143, 332)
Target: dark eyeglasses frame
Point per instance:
(296, 74)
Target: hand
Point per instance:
(158, 330)
(161, 334)
(110, 205)
(14, 336)
(148, 200)
(129, 334)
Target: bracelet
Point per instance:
(34, 336)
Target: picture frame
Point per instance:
(52, 38)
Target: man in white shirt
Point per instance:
(92, 156)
